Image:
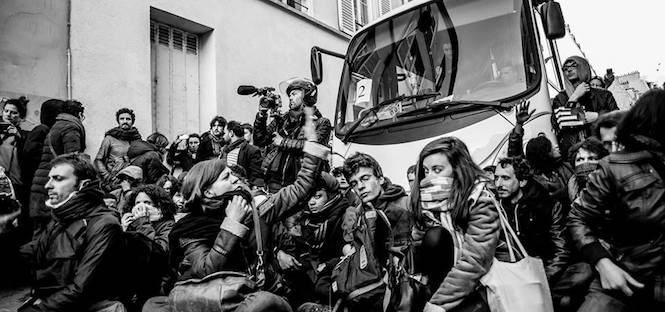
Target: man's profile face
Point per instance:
(366, 184)
(295, 99)
(506, 182)
(217, 129)
(125, 121)
(62, 182)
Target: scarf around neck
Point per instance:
(436, 207)
(124, 135)
(80, 204)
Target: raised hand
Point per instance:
(522, 113)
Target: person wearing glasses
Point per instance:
(579, 101)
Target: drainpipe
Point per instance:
(69, 49)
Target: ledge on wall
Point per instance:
(308, 18)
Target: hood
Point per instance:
(140, 147)
(390, 193)
(583, 72)
(328, 182)
(49, 111)
(134, 172)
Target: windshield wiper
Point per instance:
(384, 103)
(445, 104)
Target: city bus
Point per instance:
(445, 68)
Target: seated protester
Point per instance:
(170, 184)
(604, 129)
(594, 102)
(110, 201)
(160, 141)
(344, 187)
(218, 234)
(536, 217)
(75, 258)
(313, 245)
(584, 156)
(183, 152)
(544, 159)
(457, 225)
(149, 224)
(629, 185)
(128, 178)
(240, 152)
(147, 156)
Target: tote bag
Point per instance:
(517, 286)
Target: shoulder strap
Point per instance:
(259, 239)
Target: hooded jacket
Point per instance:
(75, 258)
(34, 140)
(146, 156)
(538, 220)
(66, 136)
(281, 163)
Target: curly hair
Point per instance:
(175, 183)
(591, 144)
(73, 107)
(21, 105)
(125, 110)
(218, 119)
(160, 199)
(520, 167)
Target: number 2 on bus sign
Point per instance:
(363, 92)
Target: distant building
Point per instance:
(176, 63)
(628, 88)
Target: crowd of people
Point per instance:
(251, 217)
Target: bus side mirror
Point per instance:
(555, 26)
(316, 66)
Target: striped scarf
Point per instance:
(434, 199)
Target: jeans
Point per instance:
(603, 300)
(260, 301)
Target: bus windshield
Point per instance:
(451, 50)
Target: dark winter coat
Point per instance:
(34, 140)
(181, 158)
(623, 204)
(206, 150)
(249, 158)
(234, 248)
(281, 163)
(75, 261)
(66, 136)
(539, 222)
(147, 156)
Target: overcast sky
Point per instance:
(622, 35)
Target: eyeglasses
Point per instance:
(568, 66)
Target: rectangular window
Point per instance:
(361, 14)
(174, 69)
(304, 6)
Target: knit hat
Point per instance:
(134, 172)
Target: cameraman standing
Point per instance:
(283, 138)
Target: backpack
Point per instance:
(360, 275)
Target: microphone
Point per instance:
(247, 90)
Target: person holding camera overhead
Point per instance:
(184, 152)
(283, 138)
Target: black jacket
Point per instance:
(249, 158)
(538, 220)
(623, 205)
(146, 156)
(206, 151)
(76, 262)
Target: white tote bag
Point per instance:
(517, 286)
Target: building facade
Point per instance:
(176, 63)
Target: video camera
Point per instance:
(269, 99)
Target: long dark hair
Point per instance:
(198, 179)
(465, 174)
(643, 121)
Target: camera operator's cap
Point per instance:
(296, 83)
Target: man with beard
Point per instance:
(536, 217)
(112, 155)
(240, 152)
(284, 137)
(74, 258)
(212, 141)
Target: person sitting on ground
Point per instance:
(536, 216)
(213, 141)
(75, 258)
(219, 234)
(148, 157)
(312, 246)
(129, 178)
(112, 155)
